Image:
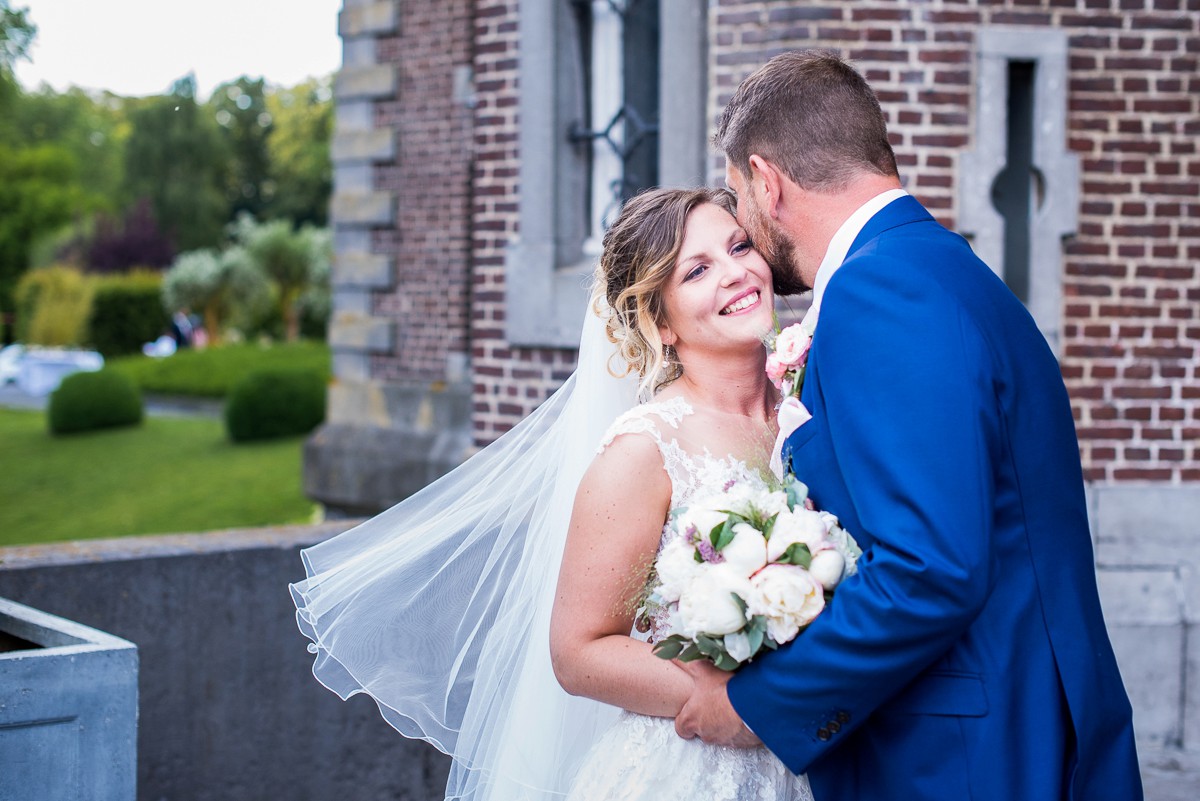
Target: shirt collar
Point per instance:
(839, 246)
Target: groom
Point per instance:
(968, 659)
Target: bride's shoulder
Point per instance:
(651, 418)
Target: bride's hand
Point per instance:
(708, 713)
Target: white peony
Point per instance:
(828, 567)
(747, 551)
(788, 597)
(676, 567)
(706, 605)
(799, 525)
(737, 645)
(703, 517)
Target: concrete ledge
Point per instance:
(355, 269)
(375, 144)
(363, 208)
(229, 708)
(369, 18)
(375, 82)
(351, 331)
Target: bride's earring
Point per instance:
(670, 357)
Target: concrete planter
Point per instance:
(68, 710)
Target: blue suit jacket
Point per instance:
(968, 659)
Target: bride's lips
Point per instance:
(747, 300)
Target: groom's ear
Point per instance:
(766, 183)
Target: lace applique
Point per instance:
(689, 473)
(642, 759)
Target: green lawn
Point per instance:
(166, 475)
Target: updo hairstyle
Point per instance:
(641, 249)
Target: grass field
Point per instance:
(166, 475)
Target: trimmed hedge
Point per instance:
(127, 312)
(53, 304)
(275, 403)
(93, 400)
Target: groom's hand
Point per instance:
(708, 713)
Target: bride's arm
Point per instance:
(616, 524)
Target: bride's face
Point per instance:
(719, 294)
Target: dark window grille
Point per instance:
(637, 148)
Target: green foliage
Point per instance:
(213, 372)
(290, 259)
(275, 403)
(167, 475)
(16, 35)
(240, 111)
(301, 170)
(85, 125)
(200, 280)
(53, 305)
(177, 159)
(38, 193)
(93, 400)
(127, 311)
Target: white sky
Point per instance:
(141, 47)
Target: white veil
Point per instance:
(439, 608)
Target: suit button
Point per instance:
(833, 726)
(822, 734)
(843, 717)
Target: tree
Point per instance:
(175, 157)
(87, 125)
(200, 279)
(134, 240)
(286, 257)
(16, 35)
(38, 193)
(240, 111)
(301, 171)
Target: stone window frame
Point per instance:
(1056, 214)
(546, 298)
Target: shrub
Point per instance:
(127, 312)
(88, 401)
(275, 403)
(53, 305)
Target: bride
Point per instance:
(450, 610)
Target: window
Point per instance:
(1019, 187)
(596, 76)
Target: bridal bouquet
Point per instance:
(744, 570)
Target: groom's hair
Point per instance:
(812, 115)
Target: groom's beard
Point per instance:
(778, 249)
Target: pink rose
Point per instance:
(791, 346)
(775, 368)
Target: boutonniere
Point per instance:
(787, 360)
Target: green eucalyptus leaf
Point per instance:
(797, 554)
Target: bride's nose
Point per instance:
(733, 272)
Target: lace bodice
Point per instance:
(642, 758)
(689, 472)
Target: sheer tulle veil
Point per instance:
(439, 608)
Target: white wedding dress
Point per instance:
(641, 758)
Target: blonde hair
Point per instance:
(641, 249)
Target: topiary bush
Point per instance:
(275, 403)
(127, 312)
(93, 400)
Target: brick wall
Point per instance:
(1131, 287)
(430, 182)
(509, 382)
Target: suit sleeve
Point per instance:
(905, 387)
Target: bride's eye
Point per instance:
(740, 248)
(695, 272)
